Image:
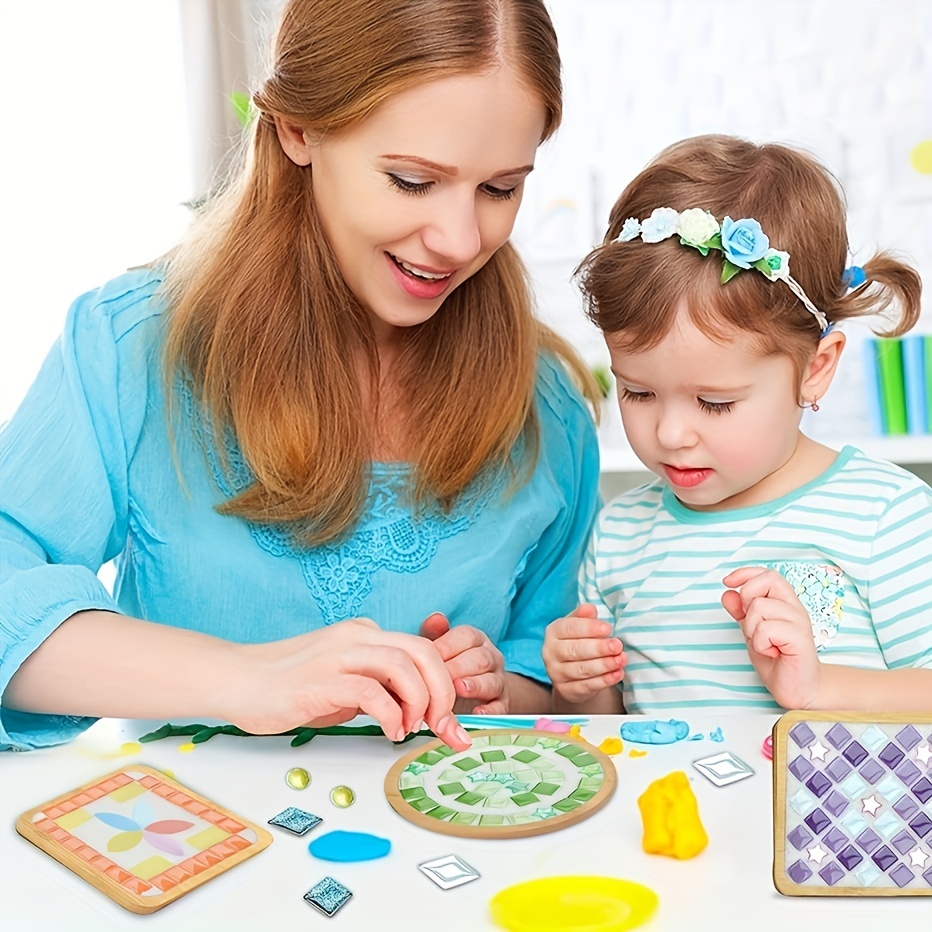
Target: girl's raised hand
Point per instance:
(330, 675)
(581, 657)
(778, 632)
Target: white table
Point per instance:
(728, 886)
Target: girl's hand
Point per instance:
(473, 662)
(778, 632)
(330, 675)
(581, 657)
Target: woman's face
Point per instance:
(418, 197)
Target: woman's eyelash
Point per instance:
(422, 187)
(715, 407)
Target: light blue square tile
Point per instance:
(802, 802)
(890, 787)
(887, 824)
(853, 786)
(866, 874)
(854, 823)
(873, 738)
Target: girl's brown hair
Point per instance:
(633, 289)
(263, 328)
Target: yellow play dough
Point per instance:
(921, 157)
(573, 904)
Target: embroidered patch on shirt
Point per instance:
(821, 589)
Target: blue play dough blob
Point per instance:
(655, 732)
(349, 846)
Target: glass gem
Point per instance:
(328, 895)
(298, 778)
(342, 797)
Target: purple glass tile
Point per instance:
(818, 821)
(909, 737)
(872, 771)
(800, 768)
(884, 858)
(831, 873)
(922, 790)
(799, 838)
(905, 807)
(802, 734)
(835, 803)
(907, 772)
(903, 841)
(891, 755)
(838, 770)
(798, 872)
(838, 735)
(818, 783)
(927, 876)
(835, 839)
(921, 825)
(868, 840)
(854, 753)
(901, 875)
(850, 858)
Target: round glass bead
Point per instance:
(342, 797)
(298, 778)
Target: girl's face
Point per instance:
(419, 196)
(719, 422)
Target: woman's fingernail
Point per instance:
(468, 686)
(443, 724)
(462, 734)
(417, 728)
(399, 735)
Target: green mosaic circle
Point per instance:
(505, 779)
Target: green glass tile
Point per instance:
(491, 820)
(441, 812)
(449, 789)
(567, 805)
(482, 741)
(592, 769)
(502, 766)
(498, 801)
(444, 750)
(407, 780)
(524, 799)
(584, 760)
(553, 776)
(492, 755)
(521, 819)
(429, 757)
(424, 804)
(527, 776)
(545, 789)
(581, 795)
(465, 818)
(571, 752)
(592, 783)
(469, 799)
(525, 756)
(525, 741)
(467, 763)
(486, 789)
(414, 792)
(500, 741)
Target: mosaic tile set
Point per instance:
(852, 805)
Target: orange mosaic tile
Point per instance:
(45, 825)
(82, 799)
(118, 874)
(54, 812)
(231, 826)
(148, 781)
(137, 885)
(195, 806)
(238, 842)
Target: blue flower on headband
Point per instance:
(743, 242)
(853, 277)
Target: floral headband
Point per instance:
(743, 244)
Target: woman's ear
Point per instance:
(821, 368)
(293, 141)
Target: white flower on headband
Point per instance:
(660, 225)
(630, 229)
(743, 245)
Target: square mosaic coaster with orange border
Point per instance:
(141, 838)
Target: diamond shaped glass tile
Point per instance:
(449, 871)
(906, 806)
(853, 786)
(873, 738)
(902, 875)
(838, 735)
(328, 896)
(908, 737)
(831, 873)
(802, 734)
(838, 770)
(800, 768)
(295, 820)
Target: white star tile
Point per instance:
(818, 751)
(817, 854)
(924, 754)
(918, 857)
(871, 805)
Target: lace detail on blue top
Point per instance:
(387, 536)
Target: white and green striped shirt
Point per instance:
(856, 543)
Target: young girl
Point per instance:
(759, 569)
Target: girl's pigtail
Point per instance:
(892, 292)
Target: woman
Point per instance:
(326, 416)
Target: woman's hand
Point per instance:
(581, 657)
(778, 632)
(330, 675)
(473, 662)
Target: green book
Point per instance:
(892, 385)
(927, 347)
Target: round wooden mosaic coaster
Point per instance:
(510, 783)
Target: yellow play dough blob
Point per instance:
(186, 748)
(671, 820)
(634, 752)
(298, 778)
(130, 747)
(921, 157)
(573, 904)
(611, 746)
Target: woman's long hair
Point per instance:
(263, 330)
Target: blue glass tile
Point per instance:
(853, 823)
(872, 771)
(873, 738)
(889, 787)
(854, 753)
(887, 824)
(867, 874)
(901, 875)
(802, 734)
(838, 735)
(295, 820)
(853, 786)
(850, 858)
(802, 802)
(908, 737)
(328, 895)
(800, 768)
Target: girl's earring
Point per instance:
(815, 404)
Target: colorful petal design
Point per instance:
(164, 843)
(168, 826)
(115, 820)
(123, 841)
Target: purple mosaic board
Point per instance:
(852, 804)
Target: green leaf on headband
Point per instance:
(763, 265)
(714, 241)
(729, 271)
